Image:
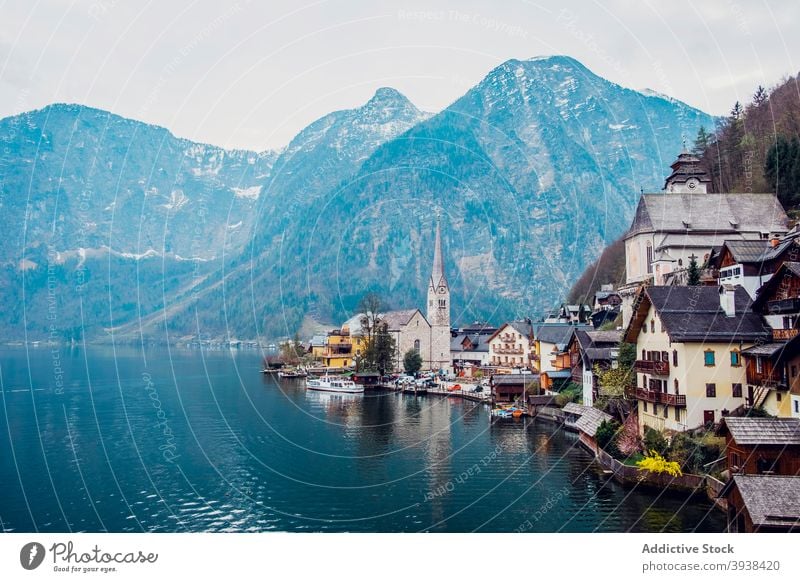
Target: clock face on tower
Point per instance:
(692, 183)
(442, 290)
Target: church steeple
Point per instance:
(439, 308)
(437, 273)
(688, 175)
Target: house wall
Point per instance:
(417, 329)
(507, 339)
(692, 375)
(784, 460)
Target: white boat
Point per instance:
(329, 384)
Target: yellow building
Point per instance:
(689, 367)
(341, 348)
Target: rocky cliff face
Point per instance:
(533, 171)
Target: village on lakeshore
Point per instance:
(686, 376)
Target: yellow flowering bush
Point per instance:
(657, 464)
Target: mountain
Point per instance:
(533, 171)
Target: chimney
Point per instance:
(775, 241)
(727, 299)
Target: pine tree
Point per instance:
(760, 96)
(701, 142)
(693, 272)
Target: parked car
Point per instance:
(478, 388)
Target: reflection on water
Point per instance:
(252, 453)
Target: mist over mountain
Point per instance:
(122, 226)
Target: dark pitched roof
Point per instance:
(762, 431)
(556, 333)
(732, 213)
(692, 314)
(590, 421)
(747, 251)
(395, 320)
(613, 336)
(769, 349)
(574, 408)
(480, 342)
(513, 379)
(771, 500)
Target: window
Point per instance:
(677, 414)
(674, 357)
(644, 355)
(416, 345)
(442, 303)
(655, 409)
(797, 406)
(680, 262)
(666, 411)
(777, 395)
(736, 392)
(665, 356)
(644, 405)
(644, 381)
(736, 358)
(711, 390)
(676, 386)
(709, 358)
(759, 365)
(649, 258)
(652, 326)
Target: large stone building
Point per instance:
(686, 221)
(428, 334)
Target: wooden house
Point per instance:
(761, 445)
(762, 503)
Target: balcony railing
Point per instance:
(784, 334)
(768, 381)
(508, 350)
(652, 367)
(661, 397)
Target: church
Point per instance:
(686, 222)
(427, 333)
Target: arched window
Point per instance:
(649, 257)
(677, 391)
(416, 345)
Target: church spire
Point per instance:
(437, 274)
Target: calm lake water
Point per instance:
(179, 440)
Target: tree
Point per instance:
(693, 272)
(701, 142)
(412, 361)
(370, 306)
(760, 96)
(379, 350)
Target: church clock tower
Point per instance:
(439, 310)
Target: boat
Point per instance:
(292, 374)
(329, 384)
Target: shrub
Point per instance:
(655, 463)
(654, 441)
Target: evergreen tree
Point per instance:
(693, 272)
(760, 96)
(412, 362)
(701, 142)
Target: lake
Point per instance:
(174, 440)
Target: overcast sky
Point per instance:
(252, 74)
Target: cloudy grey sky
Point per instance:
(252, 74)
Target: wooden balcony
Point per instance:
(651, 367)
(783, 334)
(517, 351)
(661, 397)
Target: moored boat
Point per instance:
(329, 384)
